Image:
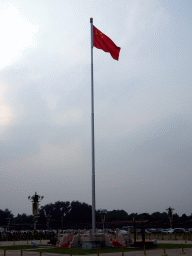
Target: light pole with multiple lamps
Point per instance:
(35, 199)
(170, 215)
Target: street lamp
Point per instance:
(103, 212)
(62, 222)
(48, 220)
(35, 218)
(170, 215)
(35, 199)
(134, 217)
(8, 223)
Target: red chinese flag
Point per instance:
(103, 42)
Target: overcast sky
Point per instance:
(143, 138)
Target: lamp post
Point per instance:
(35, 199)
(103, 212)
(8, 223)
(134, 216)
(35, 217)
(48, 220)
(62, 223)
(170, 215)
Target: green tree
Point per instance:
(164, 216)
(23, 219)
(116, 215)
(4, 215)
(57, 211)
(175, 216)
(184, 217)
(144, 216)
(79, 213)
(132, 216)
(156, 216)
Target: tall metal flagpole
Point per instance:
(92, 133)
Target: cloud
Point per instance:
(142, 102)
(69, 117)
(6, 115)
(58, 156)
(17, 34)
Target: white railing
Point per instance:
(108, 239)
(75, 240)
(67, 238)
(96, 237)
(120, 239)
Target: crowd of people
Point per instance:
(27, 235)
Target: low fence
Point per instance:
(23, 253)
